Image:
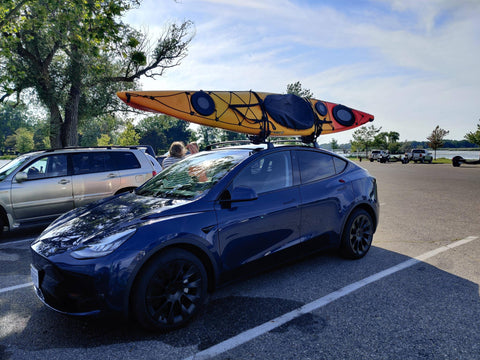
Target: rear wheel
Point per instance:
(357, 235)
(170, 290)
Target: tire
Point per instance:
(170, 291)
(357, 235)
(456, 161)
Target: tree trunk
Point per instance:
(55, 127)
(69, 131)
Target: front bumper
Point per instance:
(64, 291)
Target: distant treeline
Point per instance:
(450, 144)
(406, 145)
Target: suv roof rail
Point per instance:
(148, 148)
(270, 143)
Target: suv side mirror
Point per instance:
(239, 194)
(21, 177)
(243, 193)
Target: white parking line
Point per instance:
(16, 287)
(16, 242)
(255, 332)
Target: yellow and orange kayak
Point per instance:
(249, 112)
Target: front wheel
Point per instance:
(170, 291)
(357, 235)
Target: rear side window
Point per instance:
(94, 162)
(102, 161)
(316, 165)
(125, 160)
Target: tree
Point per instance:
(436, 139)
(363, 138)
(334, 144)
(11, 118)
(23, 140)
(208, 135)
(160, 131)
(129, 136)
(104, 140)
(296, 89)
(474, 137)
(226, 135)
(75, 54)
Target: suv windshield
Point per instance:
(193, 176)
(12, 165)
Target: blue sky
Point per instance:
(413, 64)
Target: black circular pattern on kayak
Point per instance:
(321, 108)
(203, 103)
(343, 115)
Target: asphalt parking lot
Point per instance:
(414, 296)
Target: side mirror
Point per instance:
(239, 194)
(21, 177)
(243, 193)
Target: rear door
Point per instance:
(46, 193)
(254, 229)
(325, 195)
(94, 176)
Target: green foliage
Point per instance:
(23, 140)
(474, 137)
(129, 136)
(435, 140)
(208, 135)
(226, 135)
(334, 144)
(296, 89)
(76, 54)
(11, 118)
(104, 140)
(364, 138)
(160, 131)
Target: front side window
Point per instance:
(47, 167)
(269, 173)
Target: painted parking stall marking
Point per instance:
(255, 332)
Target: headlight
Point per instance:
(102, 246)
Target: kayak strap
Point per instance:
(265, 123)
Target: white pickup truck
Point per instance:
(419, 155)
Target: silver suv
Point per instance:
(37, 187)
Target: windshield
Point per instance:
(8, 168)
(193, 176)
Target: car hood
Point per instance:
(100, 220)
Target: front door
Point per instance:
(255, 229)
(47, 191)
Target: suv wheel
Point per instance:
(357, 235)
(170, 291)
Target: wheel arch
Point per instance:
(3, 219)
(368, 208)
(202, 254)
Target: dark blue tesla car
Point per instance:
(153, 254)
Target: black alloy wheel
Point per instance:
(170, 291)
(357, 235)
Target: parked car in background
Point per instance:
(153, 254)
(37, 187)
(378, 155)
(419, 155)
